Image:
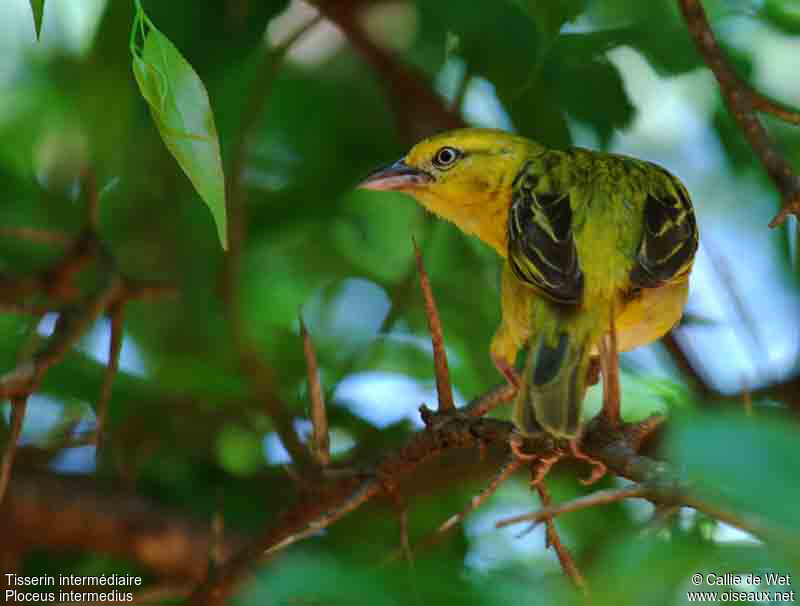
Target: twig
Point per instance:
(365, 492)
(37, 236)
(71, 325)
(117, 314)
(260, 375)
(680, 352)
(497, 396)
(250, 359)
(749, 523)
(766, 105)
(320, 437)
(601, 497)
(146, 290)
(460, 431)
(553, 540)
(444, 389)
(418, 109)
(235, 194)
(742, 104)
(512, 465)
(18, 405)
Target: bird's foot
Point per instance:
(515, 443)
(507, 370)
(598, 467)
(540, 465)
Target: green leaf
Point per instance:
(783, 14)
(578, 63)
(37, 7)
(748, 464)
(550, 17)
(181, 109)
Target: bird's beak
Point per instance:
(397, 176)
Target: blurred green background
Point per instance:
(190, 431)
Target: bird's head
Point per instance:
(464, 176)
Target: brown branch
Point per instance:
(92, 197)
(71, 325)
(117, 313)
(72, 513)
(262, 383)
(18, 405)
(564, 556)
(601, 497)
(497, 396)
(145, 290)
(255, 368)
(320, 438)
(743, 104)
(35, 235)
(614, 447)
(444, 389)
(419, 110)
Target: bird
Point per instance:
(594, 244)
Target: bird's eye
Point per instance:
(445, 157)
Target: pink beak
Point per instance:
(397, 176)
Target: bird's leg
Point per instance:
(598, 467)
(542, 467)
(593, 372)
(507, 370)
(609, 368)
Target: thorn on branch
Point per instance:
(92, 197)
(553, 540)
(117, 313)
(405, 543)
(320, 437)
(444, 389)
(511, 466)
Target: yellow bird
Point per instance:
(586, 236)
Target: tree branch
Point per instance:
(44, 510)
(743, 103)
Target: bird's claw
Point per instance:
(540, 466)
(599, 468)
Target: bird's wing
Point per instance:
(669, 238)
(541, 247)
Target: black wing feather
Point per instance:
(669, 240)
(541, 247)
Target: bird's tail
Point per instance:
(554, 383)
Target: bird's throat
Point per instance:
(487, 218)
